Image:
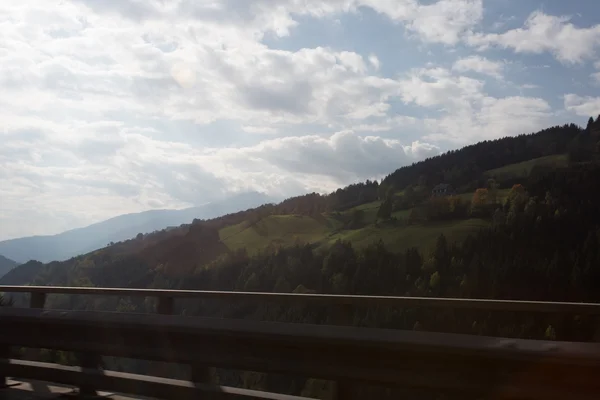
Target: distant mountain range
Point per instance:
(6, 265)
(82, 240)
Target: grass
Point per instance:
(287, 230)
(523, 169)
(369, 209)
(279, 230)
(400, 238)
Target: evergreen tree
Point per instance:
(385, 209)
(590, 124)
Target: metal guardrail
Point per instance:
(166, 298)
(452, 364)
(444, 362)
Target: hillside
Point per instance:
(329, 227)
(79, 241)
(401, 217)
(6, 265)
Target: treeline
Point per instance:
(463, 166)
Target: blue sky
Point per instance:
(117, 106)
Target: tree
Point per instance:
(498, 218)
(479, 201)
(282, 286)
(518, 197)
(385, 209)
(339, 283)
(580, 148)
(441, 254)
(413, 262)
(434, 281)
(480, 197)
(252, 284)
(437, 208)
(5, 303)
(550, 333)
(590, 124)
(357, 221)
(382, 191)
(409, 195)
(492, 186)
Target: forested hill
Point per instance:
(6, 265)
(464, 166)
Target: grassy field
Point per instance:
(369, 209)
(523, 169)
(400, 238)
(277, 229)
(287, 230)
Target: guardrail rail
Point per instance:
(453, 364)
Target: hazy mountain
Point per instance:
(6, 265)
(77, 241)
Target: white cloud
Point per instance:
(352, 155)
(491, 118)
(584, 106)
(596, 75)
(541, 33)
(438, 87)
(470, 114)
(446, 21)
(374, 61)
(195, 71)
(94, 95)
(480, 65)
(443, 21)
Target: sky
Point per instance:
(116, 106)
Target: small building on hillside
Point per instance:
(443, 189)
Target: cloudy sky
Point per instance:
(116, 106)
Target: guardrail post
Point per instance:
(342, 390)
(4, 353)
(37, 300)
(165, 305)
(91, 361)
(200, 373)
